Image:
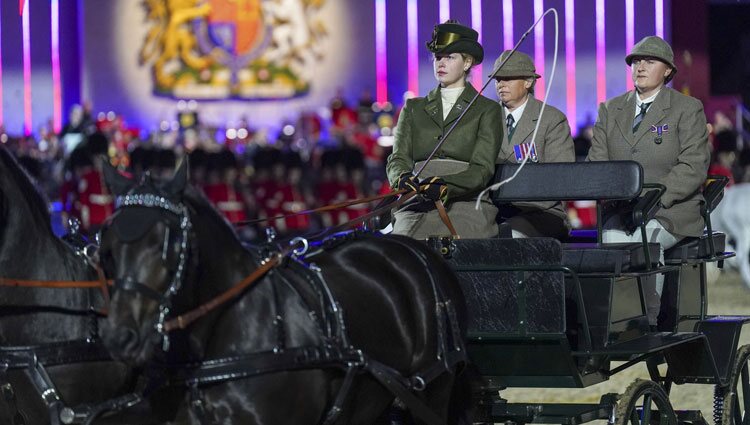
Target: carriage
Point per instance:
(540, 313)
(570, 315)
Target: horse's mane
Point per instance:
(198, 202)
(14, 176)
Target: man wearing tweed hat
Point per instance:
(665, 131)
(514, 84)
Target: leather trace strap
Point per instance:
(30, 283)
(183, 320)
(446, 220)
(103, 284)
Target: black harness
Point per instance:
(334, 350)
(34, 360)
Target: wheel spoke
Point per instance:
(646, 409)
(634, 418)
(645, 403)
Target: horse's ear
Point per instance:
(117, 183)
(180, 180)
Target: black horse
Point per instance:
(308, 343)
(58, 325)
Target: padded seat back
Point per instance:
(563, 181)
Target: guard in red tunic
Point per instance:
(94, 202)
(288, 196)
(263, 184)
(78, 162)
(328, 186)
(221, 190)
(351, 182)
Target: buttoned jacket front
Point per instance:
(553, 143)
(672, 146)
(475, 140)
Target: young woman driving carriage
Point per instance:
(465, 162)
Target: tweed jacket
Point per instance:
(672, 146)
(553, 144)
(476, 140)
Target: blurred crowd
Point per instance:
(320, 158)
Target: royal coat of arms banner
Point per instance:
(224, 49)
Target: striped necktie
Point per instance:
(509, 121)
(641, 114)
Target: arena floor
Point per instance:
(727, 296)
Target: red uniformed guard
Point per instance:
(263, 185)
(289, 195)
(94, 202)
(78, 162)
(221, 190)
(328, 186)
(351, 182)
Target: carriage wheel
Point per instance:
(644, 402)
(737, 393)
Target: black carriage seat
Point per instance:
(600, 181)
(614, 258)
(711, 244)
(696, 248)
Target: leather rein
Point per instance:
(349, 224)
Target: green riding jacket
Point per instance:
(476, 140)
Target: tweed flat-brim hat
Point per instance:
(653, 47)
(518, 65)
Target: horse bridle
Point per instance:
(130, 284)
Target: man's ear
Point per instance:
(117, 183)
(177, 185)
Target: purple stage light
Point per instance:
(412, 46)
(477, 77)
(381, 70)
(56, 86)
(27, 123)
(601, 69)
(570, 63)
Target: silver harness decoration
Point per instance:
(148, 200)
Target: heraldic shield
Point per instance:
(219, 49)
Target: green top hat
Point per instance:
(518, 65)
(653, 47)
(452, 37)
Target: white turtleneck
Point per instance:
(449, 97)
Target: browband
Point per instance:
(151, 201)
